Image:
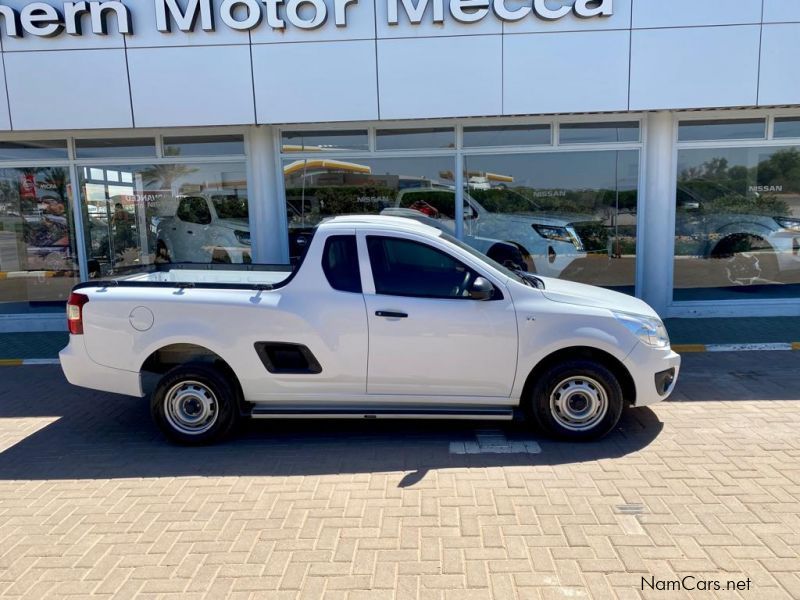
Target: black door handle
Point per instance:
(390, 314)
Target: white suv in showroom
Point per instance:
(206, 227)
(548, 241)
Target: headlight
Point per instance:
(243, 237)
(792, 224)
(559, 234)
(649, 330)
(553, 233)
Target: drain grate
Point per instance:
(494, 441)
(630, 509)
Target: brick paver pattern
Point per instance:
(93, 503)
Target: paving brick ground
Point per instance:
(94, 504)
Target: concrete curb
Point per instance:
(689, 348)
(19, 362)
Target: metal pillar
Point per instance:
(268, 233)
(657, 214)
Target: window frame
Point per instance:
(460, 152)
(73, 164)
(498, 295)
(738, 306)
(326, 248)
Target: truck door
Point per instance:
(427, 336)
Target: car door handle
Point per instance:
(391, 314)
(190, 232)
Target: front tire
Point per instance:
(578, 400)
(194, 404)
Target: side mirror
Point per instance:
(481, 289)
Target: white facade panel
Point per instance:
(620, 19)
(780, 76)
(427, 27)
(306, 82)
(63, 41)
(781, 11)
(191, 85)
(440, 77)
(693, 13)
(694, 67)
(360, 18)
(565, 72)
(77, 89)
(5, 119)
(146, 33)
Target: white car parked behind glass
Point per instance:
(207, 227)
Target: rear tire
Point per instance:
(577, 400)
(194, 404)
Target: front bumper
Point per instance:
(81, 370)
(644, 364)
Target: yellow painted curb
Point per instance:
(10, 362)
(689, 347)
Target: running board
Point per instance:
(322, 412)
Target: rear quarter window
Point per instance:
(340, 263)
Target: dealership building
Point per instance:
(647, 146)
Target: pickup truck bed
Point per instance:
(259, 275)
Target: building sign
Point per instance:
(45, 20)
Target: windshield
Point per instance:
(230, 207)
(480, 255)
(504, 200)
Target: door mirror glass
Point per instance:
(481, 289)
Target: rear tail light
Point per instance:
(75, 312)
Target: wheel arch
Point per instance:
(602, 357)
(161, 360)
(721, 248)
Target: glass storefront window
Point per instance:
(138, 215)
(507, 135)
(116, 148)
(35, 150)
(570, 214)
(415, 139)
(737, 224)
(205, 145)
(324, 141)
(38, 259)
(598, 133)
(722, 129)
(787, 127)
(320, 188)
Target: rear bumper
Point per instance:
(647, 366)
(81, 370)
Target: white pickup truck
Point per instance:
(385, 317)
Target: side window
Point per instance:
(184, 212)
(340, 263)
(406, 268)
(194, 210)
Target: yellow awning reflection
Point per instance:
(498, 177)
(329, 164)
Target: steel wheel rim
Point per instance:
(578, 403)
(191, 407)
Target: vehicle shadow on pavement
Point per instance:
(93, 435)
